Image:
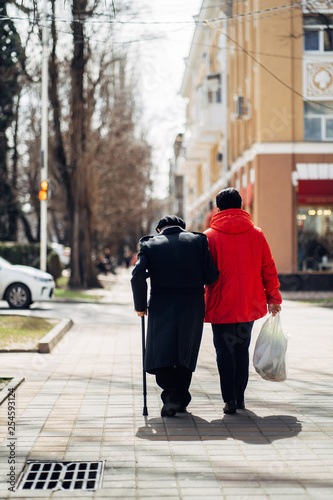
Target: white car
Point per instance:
(20, 286)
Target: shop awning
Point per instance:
(315, 191)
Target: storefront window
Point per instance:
(315, 238)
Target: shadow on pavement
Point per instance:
(245, 426)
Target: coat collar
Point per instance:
(172, 230)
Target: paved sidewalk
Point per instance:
(84, 402)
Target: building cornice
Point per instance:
(260, 148)
(280, 148)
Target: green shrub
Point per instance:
(28, 254)
(23, 254)
(54, 266)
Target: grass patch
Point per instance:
(62, 282)
(22, 332)
(321, 301)
(4, 382)
(73, 294)
(316, 302)
(63, 292)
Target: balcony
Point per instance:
(206, 116)
(210, 118)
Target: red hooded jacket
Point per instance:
(248, 278)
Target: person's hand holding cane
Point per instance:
(141, 313)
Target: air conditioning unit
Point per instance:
(239, 106)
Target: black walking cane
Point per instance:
(145, 409)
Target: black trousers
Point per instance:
(175, 382)
(231, 341)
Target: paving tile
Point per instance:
(83, 402)
(208, 496)
(159, 492)
(125, 493)
(247, 496)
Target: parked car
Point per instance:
(63, 252)
(20, 286)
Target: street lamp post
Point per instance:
(44, 138)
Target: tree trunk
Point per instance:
(71, 167)
(83, 273)
(14, 213)
(8, 204)
(27, 229)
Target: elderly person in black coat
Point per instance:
(178, 264)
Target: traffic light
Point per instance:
(43, 190)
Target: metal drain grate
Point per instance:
(62, 476)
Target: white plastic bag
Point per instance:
(269, 357)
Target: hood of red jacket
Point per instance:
(232, 221)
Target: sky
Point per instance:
(161, 62)
(158, 36)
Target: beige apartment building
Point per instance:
(259, 86)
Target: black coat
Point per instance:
(179, 265)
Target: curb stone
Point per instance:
(13, 384)
(50, 340)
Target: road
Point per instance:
(115, 307)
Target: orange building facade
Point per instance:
(259, 85)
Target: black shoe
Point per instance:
(230, 407)
(170, 409)
(241, 405)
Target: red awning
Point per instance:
(318, 192)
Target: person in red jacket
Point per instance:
(248, 282)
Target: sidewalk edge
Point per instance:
(50, 340)
(13, 384)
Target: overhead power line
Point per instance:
(197, 22)
(264, 67)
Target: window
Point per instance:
(214, 96)
(318, 121)
(311, 40)
(315, 238)
(318, 32)
(213, 86)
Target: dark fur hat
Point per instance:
(170, 220)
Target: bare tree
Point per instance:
(86, 169)
(11, 56)
(99, 162)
